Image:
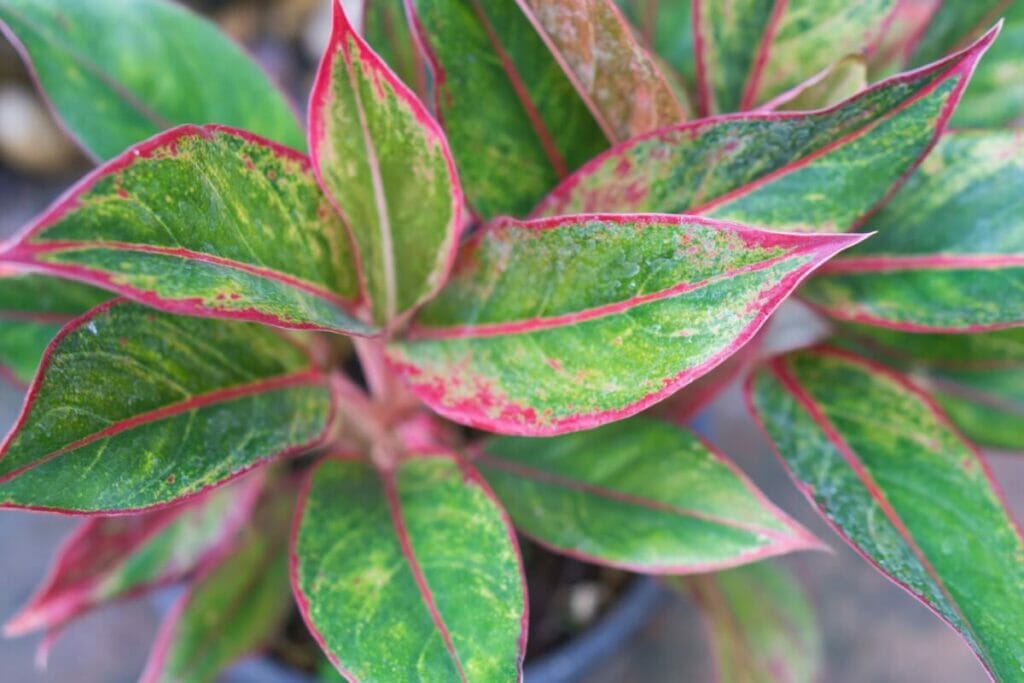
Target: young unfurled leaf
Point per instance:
(639, 494)
(233, 607)
(133, 408)
(787, 171)
(978, 379)
(619, 80)
(120, 71)
(567, 323)
(411, 574)
(949, 254)
(113, 557)
(884, 467)
(761, 624)
(840, 81)
(749, 51)
(516, 123)
(386, 165)
(203, 221)
(32, 310)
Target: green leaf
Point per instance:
(386, 165)
(952, 24)
(516, 123)
(107, 558)
(623, 86)
(234, 607)
(749, 51)
(885, 468)
(949, 254)
(387, 31)
(840, 81)
(819, 171)
(32, 310)
(996, 95)
(204, 221)
(762, 626)
(567, 323)
(133, 408)
(978, 379)
(409, 575)
(640, 494)
(120, 71)
(667, 29)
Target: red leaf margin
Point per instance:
(308, 376)
(466, 413)
(961, 64)
(17, 251)
(942, 419)
(470, 476)
(341, 30)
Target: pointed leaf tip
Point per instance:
(518, 344)
(385, 164)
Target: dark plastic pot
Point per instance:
(568, 664)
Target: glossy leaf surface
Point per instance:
(120, 71)
(133, 408)
(902, 487)
(978, 379)
(949, 253)
(787, 171)
(567, 323)
(639, 494)
(231, 609)
(749, 51)
(386, 165)
(203, 221)
(761, 624)
(516, 123)
(32, 310)
(113, 557)
(626, 91)
(412, 575)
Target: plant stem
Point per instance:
(378, 376)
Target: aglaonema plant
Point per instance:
(543, 268)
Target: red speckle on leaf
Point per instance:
(624, 166)
(170, 478)
(555, 365)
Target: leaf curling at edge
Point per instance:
(147, 378)
(522, 341)
(780, 170)
(203, 221)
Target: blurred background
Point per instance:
(871, 630)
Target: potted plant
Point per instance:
(477, 306)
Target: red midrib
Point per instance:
(566, 319)
(895, 263)
(782, 373)
(487, 460)
(395, 508)
(194, 402)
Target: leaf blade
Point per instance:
(212, 80)
(777, 170)
(950, 248)
(521, 342)
(242, 217)
(159, 408)
(880, 489)
(446, 637)
(690, 511)
(395, 183)
(498, 88)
